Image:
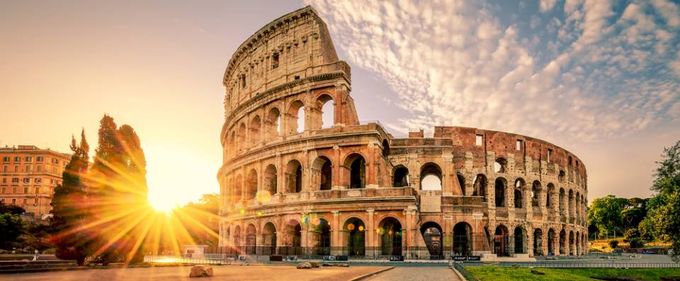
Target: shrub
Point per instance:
(636, 243)
(613, 244)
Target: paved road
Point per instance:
(417, 273)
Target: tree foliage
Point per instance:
(663, 220)
(11, 227)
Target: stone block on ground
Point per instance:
(304, 265)
(201, 271)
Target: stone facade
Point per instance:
(291, 185)
(28, 177)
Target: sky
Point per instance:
(599, 78)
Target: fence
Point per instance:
(584, 264)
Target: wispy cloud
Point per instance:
(578, 70)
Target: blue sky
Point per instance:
(600, 78)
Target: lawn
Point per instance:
(495, 273)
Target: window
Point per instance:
(4, 190)
(15, 180)
(518, 145)
(38, 180)
(243, 81)
(37, 189)
(25, 201)
(25, 189)
(16, 168)
(4, 169)
(17, 159)
(39, 168)
(35, 202)
(27, 169)
(549, 154)
(39, 159)
(275, 61)
(27, 180)
(4, 180)
(478, 140)
(5, 159)
(28, 159)
(14, 189)
(14, 201)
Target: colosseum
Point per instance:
(301, 176)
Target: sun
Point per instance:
(161, 204)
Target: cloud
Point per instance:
(547, 5)
(462, 63)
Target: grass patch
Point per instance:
(495, 273)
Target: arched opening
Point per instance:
(430, 177)
(269, 239)
(323, 173)
(400, 178)
(577, 207)
(255, 126)
(251, 241)
(520, 238)
(462, 239)
(519, 193)
(562, 203)
(461, 182)
(389, 230)
(577, 245)
(327, 107)
(357, 170)
(500, 241)
(237, 189)
(293, 177)
(551, 242)
(270, 179)
(432, 234)
(548, 196)
(571, 243)
(356, 236)
(385, 148)
(296, 113)
(242, 136)
(570, 203)
(563, 242)
(560, 176)
(234, 143)
(535, 194)
(251, 186)
(273, 123)
(479, 187)
(293, 238)
(538, 242)
(500, 165)
(499, 191)
(237, 239)
(322, 237)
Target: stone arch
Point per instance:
(237, 238)
(549, 196)
(562, 203)
(571, 243)
(251, 185)
(560, 176)
(322, 173)
(500, 165)
(270, 180)
(431, 177)
(321, 237)
(385, 148)
(293, 176)
(520, 238)
(251, 239)
(242, 136)
(400, 176)
(578, 244)
(536, 193)
(479, 186)
(551, 242)
(390, 232)
(292, 238)
(462, 239)
(563, 242)
(520, 185)
(433, 236)
(273, 123)
(570, 202)
(501, 241)
(237, 189)
(355, 164)
(326, 106)
(255, 129)
(355, 231)
(500, 186)
(269, 239)
(296, 117)
(538, 242)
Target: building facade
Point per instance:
(294, 185)
(28, 177)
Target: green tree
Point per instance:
(69, 205)
(605, 214)
(119, 193)
(664, 213)
(11, 225)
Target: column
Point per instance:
(370, 233)
(335, 234)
